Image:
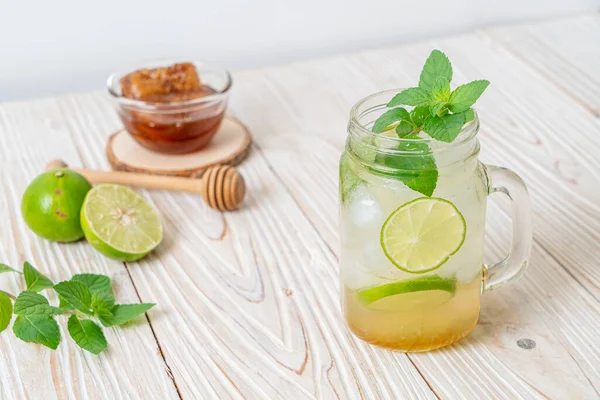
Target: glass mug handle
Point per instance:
(515, 263)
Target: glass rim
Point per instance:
(114, 78)
(467, 133)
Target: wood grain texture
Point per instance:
(248, 301)
(565, 52)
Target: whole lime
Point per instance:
(52, 203)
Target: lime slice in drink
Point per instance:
(422, 234)
(119, 223)
(426, 283)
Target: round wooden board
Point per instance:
(229, 146)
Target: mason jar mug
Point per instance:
(412, 216)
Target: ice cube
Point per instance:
(364, 211)
(374, 257)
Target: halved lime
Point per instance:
(119, 223)
(421, 235)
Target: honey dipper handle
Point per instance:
(143, 180)
(135, 179)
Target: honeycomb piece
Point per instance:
(178, 82)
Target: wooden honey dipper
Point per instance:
(221, 187)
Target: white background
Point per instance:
(49, 47)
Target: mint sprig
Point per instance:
(438, 111)
(84, 296)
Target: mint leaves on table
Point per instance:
(37, 329)
(96, 283)
(84, 296)
(87, 334)
(6, 268)
(103, 304)
(122, 313)
(438, 111)
(31, 303)
(35, 281)
(6, 311)
(76, 294)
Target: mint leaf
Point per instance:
(6, 310)
(64, 305)
(444, 128)
(87, 334)
(435, 107)
(419, 114)
(6, 268)
(389, 117)
(348, 178)
(436, 66)
(103, 303)
(34, 280)
(31, 303)
(404, 128)
(96, 283)
(76, 294)
(441, 89)
(469, 115)
(464, 96)
(37, 329)
(417, 171)
(411, 97)
(123, 313)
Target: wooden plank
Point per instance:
(565, 51)
(248, 300)
(296, 116)
(30, 135)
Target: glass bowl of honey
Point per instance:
(170, 106)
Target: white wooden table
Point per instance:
(248, 301)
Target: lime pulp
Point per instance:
(421, 235)
(119, 223)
